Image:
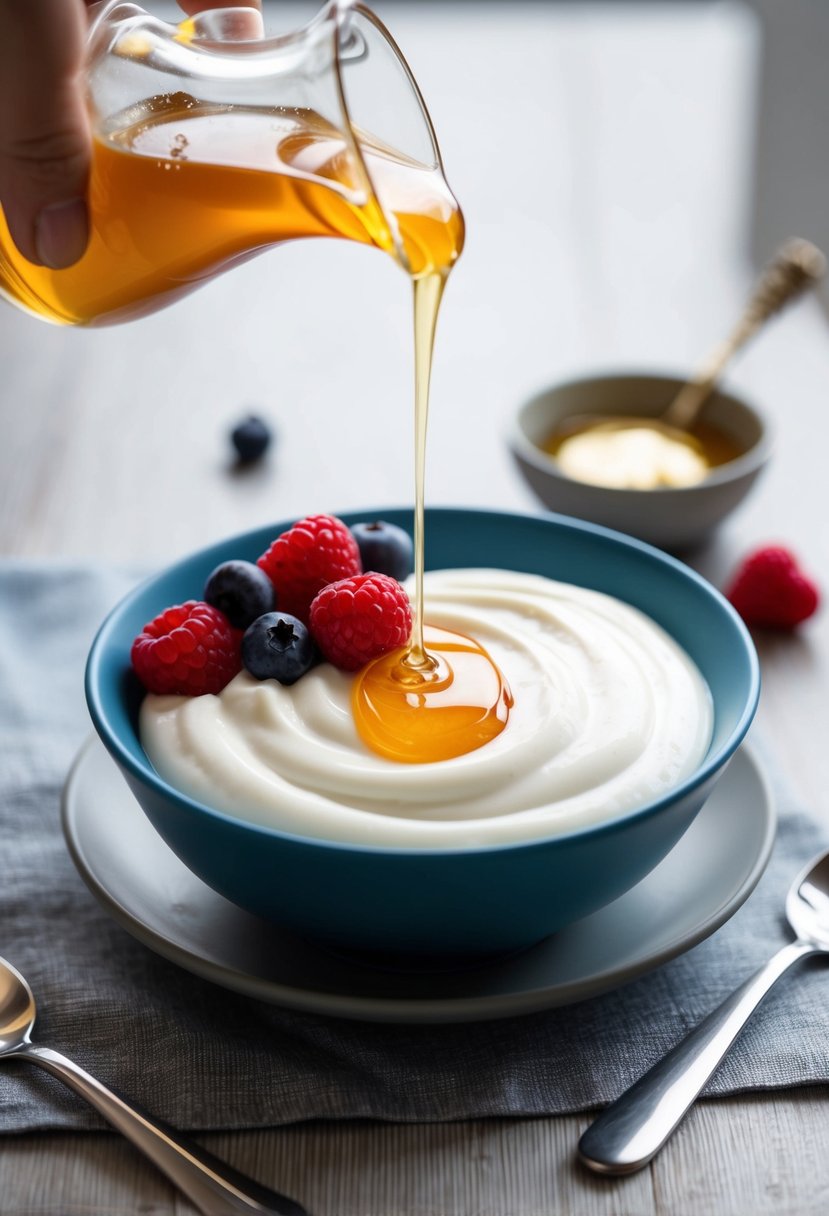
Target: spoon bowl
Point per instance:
(17, 1009)
(214, 1187)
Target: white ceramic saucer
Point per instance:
(136, 877)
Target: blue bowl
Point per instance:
(478, 900)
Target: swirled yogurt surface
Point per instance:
(609, 714)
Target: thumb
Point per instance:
(44, 132)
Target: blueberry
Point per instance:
(277, 646)
(241, 591)
(251, 438)
(384, 548)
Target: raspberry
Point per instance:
(357, 619)
(188, 650)
(313, 553)
(771, 592)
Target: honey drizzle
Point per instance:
(422, 705)
(428, 293)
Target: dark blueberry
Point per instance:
(278, 647)
(384, 548)
(251, 438)
(241, 591)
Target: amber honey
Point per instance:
(713, 444)
(460, 703)
(180, 191)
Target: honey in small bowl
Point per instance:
(628, 456)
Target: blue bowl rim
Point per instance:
(147, 774)
(747, 463)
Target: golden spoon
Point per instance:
(589, 449)
(796, 267)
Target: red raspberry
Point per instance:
(189, 649)
(771, 592)
(358, 619)
(313, 553)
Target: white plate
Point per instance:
(136, 877)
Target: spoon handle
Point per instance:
(797, 266)
(629, 1132)
(216, 1189)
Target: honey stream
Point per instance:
(435, 702)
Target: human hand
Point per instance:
(45, 140)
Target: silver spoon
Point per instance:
(629, 1132)
(214, 1187)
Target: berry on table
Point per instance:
(241, 591)
(359, 619)
(385, 548)
(187, 650)
(316, 551)
(277, 646)
(770, 591)
(251, 438)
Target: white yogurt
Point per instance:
(609, 713)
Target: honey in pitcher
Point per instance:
(180, 190)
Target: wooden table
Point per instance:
(603, 158)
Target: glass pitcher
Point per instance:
(210, 146)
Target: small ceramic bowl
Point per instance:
(671, 518)
(447, 901)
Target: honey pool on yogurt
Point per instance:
(457, 701)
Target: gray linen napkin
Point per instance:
(202, 1057)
